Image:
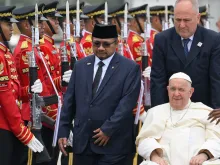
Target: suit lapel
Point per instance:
(110, 70)
(178, 47)
(89, 76)
(195, 49)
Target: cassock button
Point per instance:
(91, 106)
(13, 91)
(89, 119)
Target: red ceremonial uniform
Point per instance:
(126, 50)
(80, 52)
(52, 55)
(135, 44)
(10, 116)
(21, 58)
(150, 44)
(86, 43)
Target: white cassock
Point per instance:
(178, 135)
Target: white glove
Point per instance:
(37, 87)
(146, 72)
(148, 162)
(143, 116)
(67, 75)
(35, 145)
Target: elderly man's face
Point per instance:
(104, 48)
(185, 19)
(179, 91)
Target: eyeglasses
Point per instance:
(104, 44)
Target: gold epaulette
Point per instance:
(135, 38)
(3, 48)
(71, 39)
(89, 38)
(48, 39)
(24, 45)
(41, 41)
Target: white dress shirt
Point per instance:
(189, 43)
(104, 68)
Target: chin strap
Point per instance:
(119, 23)
(96, 20)
(139, 25)
(51, 27)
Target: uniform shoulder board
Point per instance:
(89, 38)
(41, 41)
(2, 48)
(71, 39)
(24, 45)
(136, 38)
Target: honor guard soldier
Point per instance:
(26, 17)
(72, 22)
(158, 14)
(157, 19)
(136, 28)
(204, 15)
(96, 15)
(13, 132)
(47, 44)
(118, 19)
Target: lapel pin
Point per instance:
(88, 63)
(113, 67)
(199, 44)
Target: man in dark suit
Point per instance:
(102, 92)
(187, 48)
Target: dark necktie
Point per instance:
(97, 79)
(185, 46)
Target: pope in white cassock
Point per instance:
(178, 132)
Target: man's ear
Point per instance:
(167, 88)
(93, 22)
(26, 24)
(198, 18)
(191, 91)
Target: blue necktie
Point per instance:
(185, 46)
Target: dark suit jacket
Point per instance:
(202, 65)
(110, 109)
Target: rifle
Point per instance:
(121, 44)
(147, 99)
(73, 51)
(64, 58)
(165, 23)
(124, 32)
(207, 25)
(36, 110)
(57, 101)
(76, 30)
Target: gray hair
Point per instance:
(195, 4)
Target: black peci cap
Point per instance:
(104, 31)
